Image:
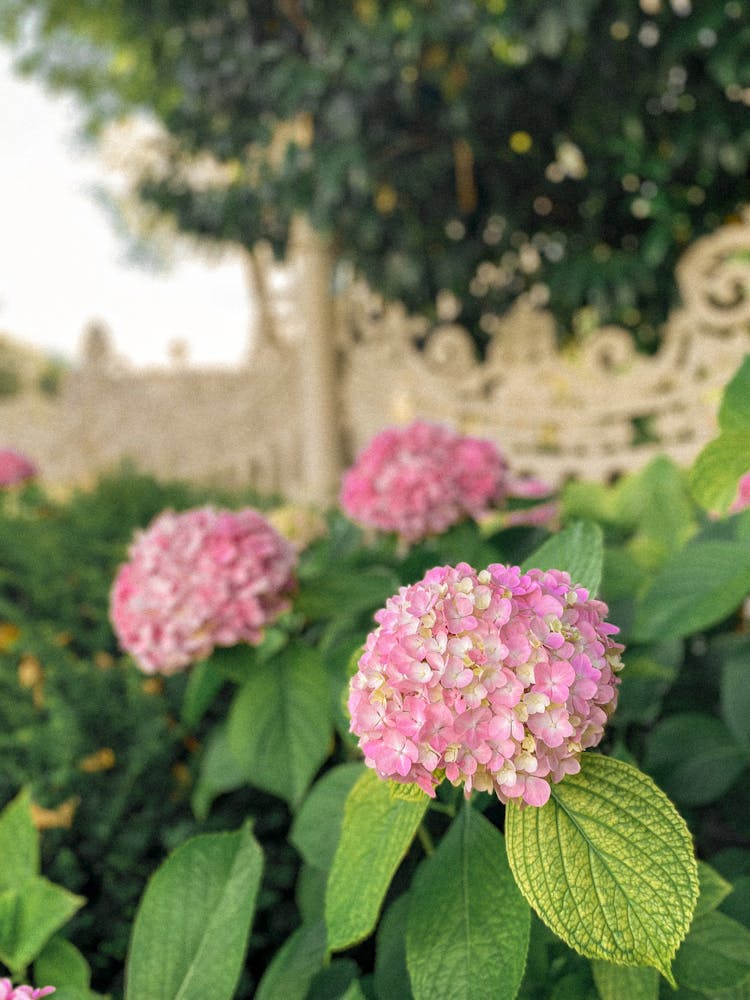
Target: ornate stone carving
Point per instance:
(595, 410)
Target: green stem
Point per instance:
(425, 840)
(442, 807)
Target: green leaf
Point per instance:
(376, 834)
(735, 697)
(19, 843)
(657, 504)
(734, 413)
(698, 587)
(279, 725)
(192, 924)
(204, 684)
(338, 981)
(737, 904)
(608, 864)
(29, 916)
(60, 963)
(713, 889)
(468, 928)
(618, 982)
(391, 974)
(715, 475)
(234, 663)
(294, 965)
(715, 955)
(578, 549)
(316, 828)
(220, 772)
(643, 686)
(347, 592)
(693, 757)
(310, 893)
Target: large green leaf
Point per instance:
(693, 757)
(713, 889)
(698, 587)
(19, 843)
(622, 982)
(348, 592)
(279, 725)
(377, 831)
(715, 955)
(29, 916)
(735, 697)
(192, 925)
(60, 963)
(220, 771)
(715, 475)
(734, 413)
(468, 927)
(608, 864)
(578, 549)
(294, 965)
(316, 828)
(391, 973)
(204, 683)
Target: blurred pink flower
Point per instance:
(742, 500)
(497, 680)
(8, 992)
(197, 580)
(15, 468)
(421, 479)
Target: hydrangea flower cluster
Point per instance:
(8, 992)
(421, 479)
(15, 468)
(200, 579)
(498, 679)
(742, 499)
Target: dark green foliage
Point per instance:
(479, 146)
(82, 726)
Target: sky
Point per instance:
(63, 264)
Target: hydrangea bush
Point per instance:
(469, 814)
(200, 579)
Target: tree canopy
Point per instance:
(483, 147)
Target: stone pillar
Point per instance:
(319, 402)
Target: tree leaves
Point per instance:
(377, 831)
(608, 865)
(192, 925)
(468, 926)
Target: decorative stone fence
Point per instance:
(325, 374)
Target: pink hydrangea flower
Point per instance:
(197, 580)
(9, 992)
(742, 500)
(421, 479)
(497, 680)
(15, 468)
